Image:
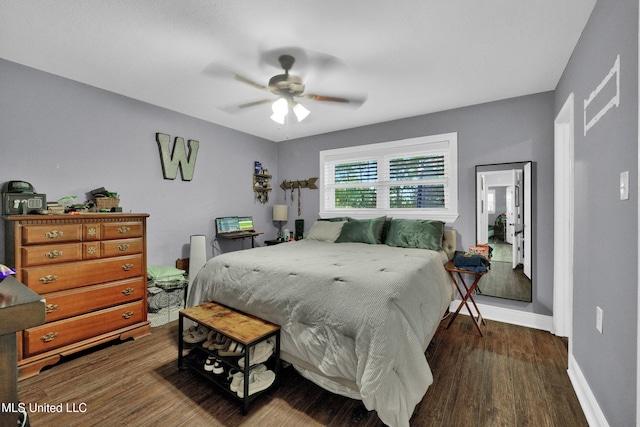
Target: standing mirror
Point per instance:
(503, 221)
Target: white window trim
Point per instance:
(448, 141)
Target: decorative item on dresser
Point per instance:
(91, 269)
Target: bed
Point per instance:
(358, 303)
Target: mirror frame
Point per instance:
(528, 183)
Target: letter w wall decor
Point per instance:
(172, 159)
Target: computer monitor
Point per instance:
(245, 223)
(227, 224)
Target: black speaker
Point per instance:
(299, 229)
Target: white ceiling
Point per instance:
(407, 57)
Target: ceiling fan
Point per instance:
(288, 88)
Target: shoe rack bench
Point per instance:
(243, 328)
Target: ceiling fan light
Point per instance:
(300, 112)
(280, 107)
(278, 118)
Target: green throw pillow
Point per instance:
(362, 231)
(420, 234)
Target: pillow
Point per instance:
(325, 231)
(164, 272)
(362, 231)
(412, 233)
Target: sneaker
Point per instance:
(258, 381)
(213, 364)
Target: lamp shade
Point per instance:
(280, 212)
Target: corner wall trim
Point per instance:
(593, 413)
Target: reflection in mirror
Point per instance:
(503, 221)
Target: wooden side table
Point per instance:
(243, 328)
(466, 293)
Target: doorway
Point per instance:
(563, 221)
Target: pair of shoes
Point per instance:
(234, 349)
(199, 335)
(258, 381)
(215, 341)
(237, 377)
(258, 353)
(213, 364)
(191, 329)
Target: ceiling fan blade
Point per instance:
(352, 101)
(254, 103)
(245, 80)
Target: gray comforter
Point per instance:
(355, 311)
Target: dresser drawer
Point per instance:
(51, 254)
(112, 248)
(52, 233)
(68, 331)
(58, 277)
(121, 230)
(64, 304)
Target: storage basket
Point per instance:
(106, 202)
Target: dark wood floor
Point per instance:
(514, 376)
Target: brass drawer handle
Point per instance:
(45, 280)
(53, 234)
(49, 337)
(123, 247)
(50, 308)
(127, 267)
(91, 250)
(127, 314)
(54, 254)
(124, 230)
(128, 291)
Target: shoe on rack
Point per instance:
(211, 336)
(258, 353)
(199, 335)
(258, 381)
(237, 377)
(213, 364)
(234, 349)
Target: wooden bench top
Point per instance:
(238, 326)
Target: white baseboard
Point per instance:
(509, 315)
(593, 413)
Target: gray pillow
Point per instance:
(325, 231)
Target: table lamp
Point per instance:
(280, 215)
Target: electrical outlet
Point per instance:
(599, 314)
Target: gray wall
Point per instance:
(512, 130)
(67, 138)
(606, 228)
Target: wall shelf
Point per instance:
(262, 186)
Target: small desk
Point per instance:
(241, 236)
(466, 293)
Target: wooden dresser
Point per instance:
(91, 270)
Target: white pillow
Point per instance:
(325, 231)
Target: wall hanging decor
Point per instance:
(298, 184)
(604, 91)
(261, 182)
(172, 159)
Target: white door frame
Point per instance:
(638, 242)
(563, 222)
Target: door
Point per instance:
(527, 222)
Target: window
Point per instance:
(411, 178)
